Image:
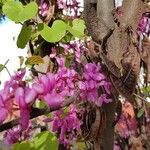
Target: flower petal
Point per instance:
(54, 100)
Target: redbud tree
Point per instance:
(85, 82)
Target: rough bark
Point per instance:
(117, 44)
(107, 140)
(99, 21)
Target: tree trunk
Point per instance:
(107, 137)
(99, 21)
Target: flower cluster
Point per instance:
(53, 88)
(94, 79)
(144, 24)
(15, 134)
(66, 125)
(70, 7)
(143, 29)
(43, 7)
(7, 94)
(76, 47)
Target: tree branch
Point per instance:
(132, 10)
(38, 112)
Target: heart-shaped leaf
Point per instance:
(78, 28)
(17, 12)
(59, 29)
(55, 33)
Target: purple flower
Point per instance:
(7, 94)
(12, 136)
(15, 134)
(54, 99)
(53, 88)
(92, 80)
(5, 104)
(44, 84)
(143, 23)
(25, 97)
(43, 8)
(76, 47)
(103, 99)
(62, 4)
(67, 125)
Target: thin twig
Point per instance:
(36, 71)
(7, 68)
(140, 97)
(8, 71)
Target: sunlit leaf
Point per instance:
(55, 33)
(25, 145)
(1, 67)
(17, 12)
(59, 29)
(78, 28)
(81, 145)
(46, 140)
(34, 60)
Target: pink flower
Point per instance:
(44, 84)
(54, 99)
(19, 75)
(62, 4)
(5, 104)
(75, 47)
(93, 79)
(3, 110)
(67, 125)
(103, 99)
(25, 97)
(143, 23)
(12, 136)
(43, 8)
(7, 94)
(15, 134)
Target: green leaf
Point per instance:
(15, 146)
(25, 145)
(34, 60)
(24, 36)
(55, 33)
(1, 67)
(78, 28)
(29, 11)
(40, 104)
(17, 12)
(46, 140)
(59, 29)
(81, 145)
(140, 112)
